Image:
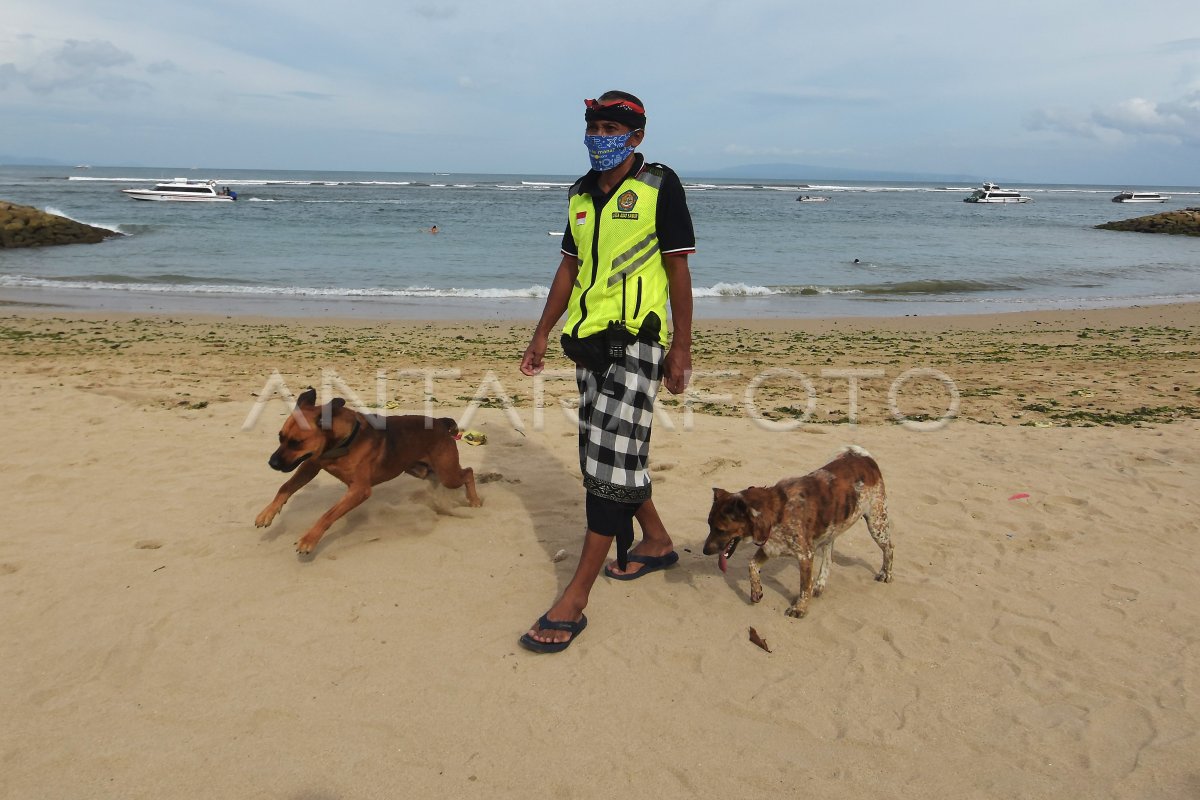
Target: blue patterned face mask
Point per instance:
(607, 152)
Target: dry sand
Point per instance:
(159, 646)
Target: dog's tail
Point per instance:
(856, 450)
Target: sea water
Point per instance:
(359, 244)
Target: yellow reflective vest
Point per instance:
(621, 274)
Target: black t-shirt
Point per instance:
(673, 221)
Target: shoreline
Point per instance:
(775, 307)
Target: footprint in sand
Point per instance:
(715, 464)
(1120, 594)
(9, 568)
(1063, 504)
(147, 544)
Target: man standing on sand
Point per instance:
(624, 254)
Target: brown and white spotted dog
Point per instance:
(803, 516)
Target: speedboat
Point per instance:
(811, 198)
(991, 193)
(186, 191)
(1140, 197)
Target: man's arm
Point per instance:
(533, 360)
(677, 366)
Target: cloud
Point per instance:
(429, 11)
(747, 151)
(1061, 121)
(1180, 46)
(810, 96)
(1177, 121)
(309, 95)
(91, 55)
(76, 66)
(162, 67)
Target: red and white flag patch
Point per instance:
(580, 217)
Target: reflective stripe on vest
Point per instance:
(620, 270)
(621, 273)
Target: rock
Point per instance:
(1182, 223)
(24, 226)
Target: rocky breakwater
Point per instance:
(1184, 223)
(23, 226)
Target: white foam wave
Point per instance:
(486, 293)
(108, 226)
(27, 282)
(749, 290)
(732, 290)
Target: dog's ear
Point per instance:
(719, 494)
(337, 402)
(307, 398)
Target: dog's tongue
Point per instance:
(723, 562)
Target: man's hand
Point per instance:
(677, 369)
(534, 359)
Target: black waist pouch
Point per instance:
(598, 351)
(590, 352)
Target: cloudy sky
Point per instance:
(1087, 91)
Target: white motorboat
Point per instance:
(811, 198)
(1140, 197)
(991, 193)
(185, 191)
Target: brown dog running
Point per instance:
(800, 516)
(361, 451)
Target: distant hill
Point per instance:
(809, 172)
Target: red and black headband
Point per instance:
(626, 111)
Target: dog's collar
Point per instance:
(341, 448)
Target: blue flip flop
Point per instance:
(649, 564)
(573, 628)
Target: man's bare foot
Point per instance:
(562, 611)
(650, 550)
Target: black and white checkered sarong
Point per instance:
(616, 409)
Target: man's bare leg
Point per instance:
(655, 539)
(574, 600)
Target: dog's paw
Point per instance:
(884, 577)
(476, 503)
(305, 546)
(265, 519)
(798, 613)
(756, 596)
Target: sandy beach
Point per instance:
(1041, 638)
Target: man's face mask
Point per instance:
(607, 152)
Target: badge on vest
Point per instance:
(625, 204)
